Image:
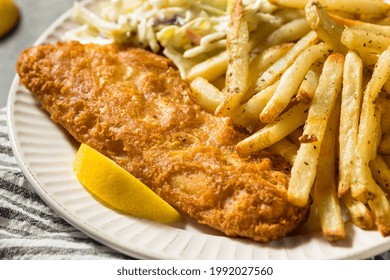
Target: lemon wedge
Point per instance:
(118, 188)
(9, 15)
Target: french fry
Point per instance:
(373, 7)
(265, 59)
(198, 50)
(370, 192)
(381, 20)
(273, 133)
(289, 32)
(286, 149)
(380, 172)
(297, 4)
(369, 59)
(184, 65)
(364, 41)
(304, 169)
(377, 133)
(358, 211)
(384, 144)
(325, 27)
(275, 75)
(377, 7)
(258, 36)
(361, 25)
(325, 188)
(349, 118)
(205, 94)
(247, 114)
(291, 80)
(309, 85)
(287, 15)
(269, 76)
(343, 15)
(209, 69)
(380, 206)
(361, 188)
(238, 67)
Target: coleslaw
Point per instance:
(187, 31)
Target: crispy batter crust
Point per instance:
(132, 106)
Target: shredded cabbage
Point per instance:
(189, 31)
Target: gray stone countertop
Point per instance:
(36, 16)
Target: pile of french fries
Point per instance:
(315, 90)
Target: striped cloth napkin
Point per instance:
(29, 229)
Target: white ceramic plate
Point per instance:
(45, 153)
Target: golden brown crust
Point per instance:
(132, 106)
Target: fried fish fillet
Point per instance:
(132, 106)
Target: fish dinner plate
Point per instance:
(45, 153)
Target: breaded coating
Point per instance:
(132, 106)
